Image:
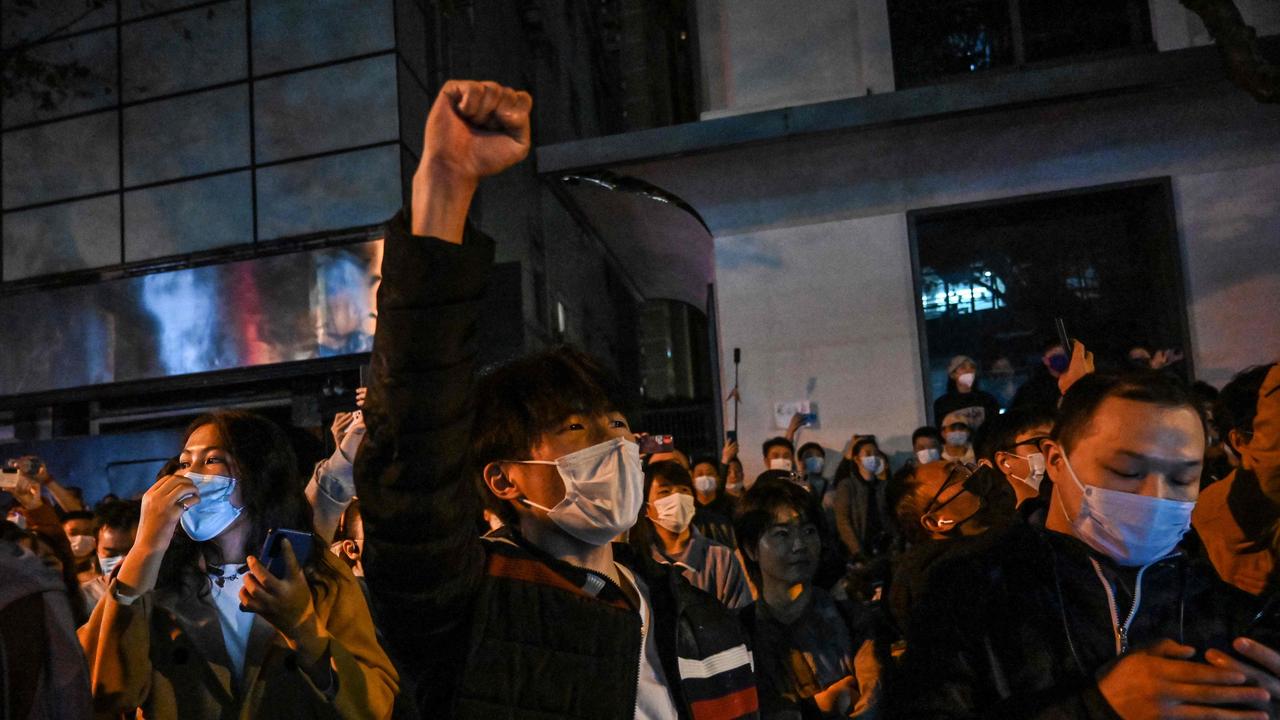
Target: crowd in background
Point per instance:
(493, 543)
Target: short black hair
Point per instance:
(756, 510)
(811, 446)
(999, 433)
(928, 431)
(697, 460)
(1239, 399)
(670, 472)
(1088, 393)
(778, 441)
(518, 401)
(77, 515)
(860, 442)
(121, 514)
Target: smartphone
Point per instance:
(731, 435)
(272, 554)
(651, 444)
(1062, 335)
(366, 375)
(809, 418)
(8, 479)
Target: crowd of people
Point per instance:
(491, 543)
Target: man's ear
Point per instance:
(934, 524)
(1004, 461)
(499, 483)
(1053, 459)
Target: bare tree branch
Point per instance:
(1238, 43)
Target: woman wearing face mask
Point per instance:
(861, 501)
(665, 531)
(264, 645)
(963, 395)
(814, 657)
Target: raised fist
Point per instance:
(476, 129)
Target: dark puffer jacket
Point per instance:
(1019, 631)
(495, 628)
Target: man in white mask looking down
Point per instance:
(1013, 443)
(543, 617)
(1098, 613)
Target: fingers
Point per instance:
(255, 596)
(1171, 649)
(262, 574)
(1246, 696)
(291, 567)
(1261, 655)
(1196, 673)
(1256, 676)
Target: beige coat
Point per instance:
(165, 656)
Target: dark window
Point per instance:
(940, 39)
(993, 277)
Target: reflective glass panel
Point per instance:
(329, 193)
(186, 135)
(61, 159)
(188, 217)
(62, 238)
(293, 33)
(185, 50)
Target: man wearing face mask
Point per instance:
(1011, 443)
(79, 526)
(1238, 518)
(957, 438)
(117, 528)
(779, 454)
(1099, 613)
(963, 396)
(544, 617)
(861, 502)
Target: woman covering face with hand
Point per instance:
(195, 626)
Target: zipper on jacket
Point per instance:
(1121, 630)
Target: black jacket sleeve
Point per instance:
(422, 556)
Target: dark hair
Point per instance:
(756, 510)
(1088, 393)
(811, 446)
(272, 492)
(777, 442)
(520, 400)
(77, 515)
(643, 536)
(122, 514)
(928, 431)
(999, 433)
(863, 442)
(1239, 399)
(705, 460)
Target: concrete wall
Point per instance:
(1173, 27)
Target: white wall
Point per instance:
(765, 54)
(823, 312)
(1173, 27)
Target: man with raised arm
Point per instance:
(545, 617)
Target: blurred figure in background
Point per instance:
(115, 528)
(779, 454)
(963, 396)
(714, 515)
(926, 447)
(79, 525)
(957, 438)
(862, 509)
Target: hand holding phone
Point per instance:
(654, 444)
(272, 555)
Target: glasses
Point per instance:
(1038, 441)
(961, 478)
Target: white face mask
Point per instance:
(705, 483)
(82, 546)
(603, 491)
(872, 463)
(675, 511)
(965, 380)
(957, 438)
(928, 455)
(215, 512)
(814, 464)
(1131, 529)
(109, 564)
(783, 464)
(1035, 461)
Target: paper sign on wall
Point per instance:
(783, 411)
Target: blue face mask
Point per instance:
(214, 513)
(814, 464)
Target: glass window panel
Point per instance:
(1054, 29)
(61, 159)
(186, 135)
(137, 8)
(329, 193)
(61, 238)
(293, 33)
(60, 78)
(185, 50)
(28, 22)
(936, 38)
(327, 109)
(188, 217)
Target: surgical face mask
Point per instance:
(957, 438)
(109, 564)
(705, 483)
(214, 513)
(872, 463)
(1129, 528)
(965, 380)
(603, 491)
(1035, 462)
(928, 455)
(1059, 362)
(82, 546)
(814, 463)
(675, 511)
(783, 464)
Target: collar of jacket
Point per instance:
(1254, 512)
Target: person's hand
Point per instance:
(41, 473)
(1165, 358)
(285, 602)
(476, 129)
(1081, 365)
(352, 436)
(837, 699)
(27, 492)
(793, 427)
(729, 452)
(361, 394)
(1164, 682)
(1262, 668)
(341, 423)
(162, 507)
(848, 449)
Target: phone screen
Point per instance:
(272, 554)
